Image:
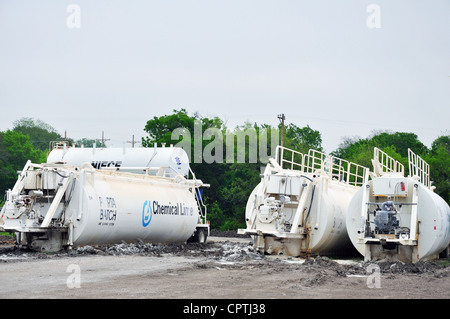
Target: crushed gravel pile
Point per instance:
(147, 249)
(237, 252)
(439, 269)
(223, 252)
(230, 252)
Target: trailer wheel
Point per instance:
(444, 254)
(199, 236)
(202, 235)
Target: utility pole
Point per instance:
(133, 142)
(103, 140)
(281, 117)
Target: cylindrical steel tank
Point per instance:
(112, 207)
(398, 218)
(310, 221)
(56, 205)
(328, 232)
(175, 159)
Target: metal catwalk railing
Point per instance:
(336, 168)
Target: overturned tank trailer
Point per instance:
(299, 206)
(60, 204)
(393, 217)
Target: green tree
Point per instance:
(232, 179)
(442, 141)
(401, 141)
(88, 142)
(40, 133)
(439, 161)
(160, 129)
(238, 182)
(396, 145)
(302, 138)
(15, 150)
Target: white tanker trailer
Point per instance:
(173, 159)
(399, 218)
(53, 206)
(299, 206)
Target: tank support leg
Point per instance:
(260, 244)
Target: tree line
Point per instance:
(232, 183)
(29, 139)
(231, 179)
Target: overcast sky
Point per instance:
(344, 67)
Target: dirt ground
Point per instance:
(223, 268)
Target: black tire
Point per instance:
(200, 235)
(444, 254)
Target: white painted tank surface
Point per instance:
(128, 159)
(299, 206)
(398, 218)
(55, 205)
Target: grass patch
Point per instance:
(6, 234)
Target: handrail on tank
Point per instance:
(279, 157)
(418, 167)
(385, 164)
(336, 168)
(348, 172)
(199, 198)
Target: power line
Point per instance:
(133, 142)
(103, 139)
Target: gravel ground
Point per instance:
(223, 268)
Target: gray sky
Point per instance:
(316, 61)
